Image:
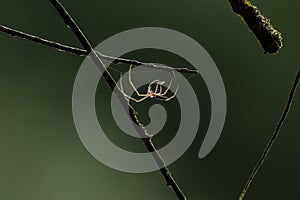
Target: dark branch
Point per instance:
(82, 52)
(269, 38)
(111, 82)
(274, 136)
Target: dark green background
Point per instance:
(41, 155)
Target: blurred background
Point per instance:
(41, 155)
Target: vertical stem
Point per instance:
(274, 136)
(112, 83)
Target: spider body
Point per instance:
(158, 91)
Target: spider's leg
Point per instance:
(160, 89)
(159, 84)
(136, 100)
(121, 85)
(171, 97)
(149, 87)
(131, 83)
(127, 96)
(156, 88)
(168, 88)
(122, 90)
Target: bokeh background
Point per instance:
(41, 155)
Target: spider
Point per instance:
(158, 92)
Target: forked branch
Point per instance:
(112, 83)
(83, 52)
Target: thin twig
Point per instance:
(111, 82)
(274, 136)
(82, 52)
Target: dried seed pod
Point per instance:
(269, 38)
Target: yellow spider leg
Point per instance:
(168, 88)
(171, 97)
(131, 83)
